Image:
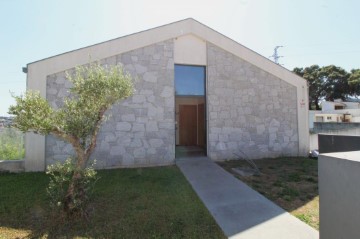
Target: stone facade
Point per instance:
(141, 129)
(251, 113)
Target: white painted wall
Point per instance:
(190, 50)
(312, 117)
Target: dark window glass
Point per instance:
(189, 80)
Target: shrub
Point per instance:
(60, 177)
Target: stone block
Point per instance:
(151, 126)
(110, 137)
(150, 77)
(151, 151)
(128, 117)
(146, 92)
(138, 127)
(167, 92)
(213, 137)
(223, 137)
(123, 126)
(104, 146)
(260, 129)
(51, 91)
(156, 143)
(135, 143)
(166, 125)
(138, 99)
(116, 150)
(134, 58)
(220, 146)
(140, 69)
(139, 153)
(273, 129)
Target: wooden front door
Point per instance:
(201, 124)
(188, 125)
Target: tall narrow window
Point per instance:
(190, 110)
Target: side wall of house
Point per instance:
(141, 129)
(251, 113)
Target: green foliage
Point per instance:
(329, 83)
(60, 177)
(354, 81)
(336, 81)
(304, 217)
(32, 113)
(11, 144)
(94, 90)
(354, 77)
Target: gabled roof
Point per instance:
(106, 49)
(38, 71)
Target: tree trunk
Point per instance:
(76, 189)
(317, 104)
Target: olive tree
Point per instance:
(94, 90)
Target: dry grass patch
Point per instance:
(292, 183)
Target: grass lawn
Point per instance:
(292, 183)
(128, 203)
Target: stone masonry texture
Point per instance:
(251, 113)
(140, 130)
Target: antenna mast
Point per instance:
(276, 55)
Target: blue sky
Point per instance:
(319, 32)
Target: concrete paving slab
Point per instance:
(240, 211)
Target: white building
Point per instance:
(335, 111)
(195, 88)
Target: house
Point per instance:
(327, 106)
(335, 111)
(5, 121)
(196, 89)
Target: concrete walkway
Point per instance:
(240, 211)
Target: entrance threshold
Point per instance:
(189, 151)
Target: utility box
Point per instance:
(339, 193)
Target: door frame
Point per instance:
(206, 147)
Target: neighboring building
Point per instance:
(327, 106)
(335, 111)
(195, 88)
(5, 121)
(336, 117)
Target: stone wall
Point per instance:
(141, 129)
(251, 113)
(12, 166)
